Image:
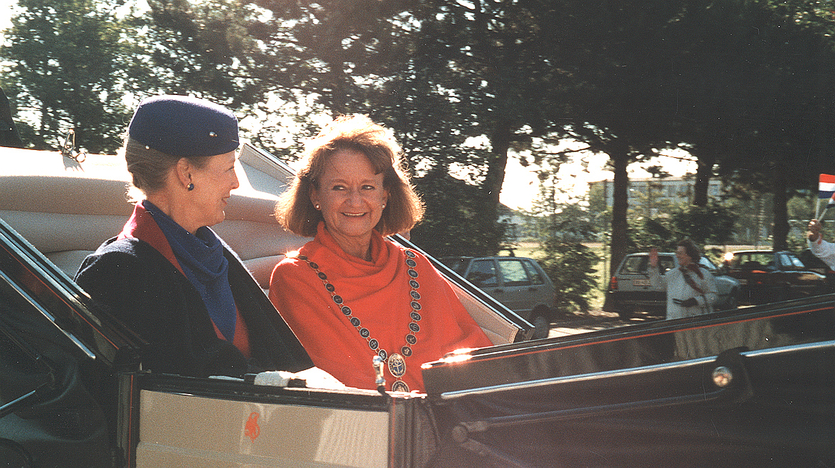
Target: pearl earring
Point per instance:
(316, 206)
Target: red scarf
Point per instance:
(378, 294)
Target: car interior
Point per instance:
(68, 217)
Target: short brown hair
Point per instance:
(404, 208)
(691, 249)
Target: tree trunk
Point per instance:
(620, 185)
(500, 142)
(781, 217)
(703, 173)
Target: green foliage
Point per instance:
(201, 48)
(456, 225)
(712, 224)
(627, 78)
(570, 265)
(66, 72)
(561, 229)
(653, 233)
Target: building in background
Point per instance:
(656, 194)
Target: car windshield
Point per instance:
(637, 264)
(752, 260)
(795, 262)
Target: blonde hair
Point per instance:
(404, 207)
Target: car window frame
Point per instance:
(504, 279)
(481, 282)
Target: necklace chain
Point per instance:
(396, 362)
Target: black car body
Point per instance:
(740, 388)
(769, 276)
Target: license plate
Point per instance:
(640, 282)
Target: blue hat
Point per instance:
(184, 126)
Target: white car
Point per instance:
(630, 289)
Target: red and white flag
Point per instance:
(826, 186)
(826, 189)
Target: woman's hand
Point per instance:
(310, 378)
(814, 230)
(318, 378)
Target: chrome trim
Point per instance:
(37, 261)
(790, 348)
(626, 372)
(31, 300)
(572, 379)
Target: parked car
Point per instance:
(743, 388)
(517, 282)
(630, 289)
(769, 276)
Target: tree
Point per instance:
(713, 224)
(487, 58)
(336, 51)
(562, 228)
(66, 71)
(619, 104)
(201, 49)
(752, 94)
(570, 265)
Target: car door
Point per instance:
(541, 290)
(518, 290)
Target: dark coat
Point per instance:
(139, 286)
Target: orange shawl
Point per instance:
(378, 294)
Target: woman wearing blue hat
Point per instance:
(168, 276)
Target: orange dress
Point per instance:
(401, 308)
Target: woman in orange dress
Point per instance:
(349, 294)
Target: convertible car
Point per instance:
(751, 387)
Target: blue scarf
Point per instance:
(202, 260)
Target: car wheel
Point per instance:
(541, 324)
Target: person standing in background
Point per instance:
(691, 289)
